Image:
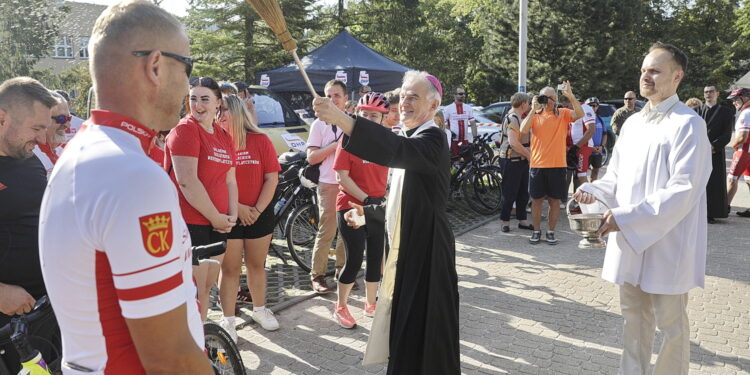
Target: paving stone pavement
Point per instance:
(288, 282)
(531, 310)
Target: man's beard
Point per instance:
(58, 138)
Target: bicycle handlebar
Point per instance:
(41, 308)
(208, 251)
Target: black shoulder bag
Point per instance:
(312, 171)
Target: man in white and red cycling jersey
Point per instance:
(114, 248)
(580, 134)
(741, 144)
(458, 117)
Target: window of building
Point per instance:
(83, 47)
(63, 48)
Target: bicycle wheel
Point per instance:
(222, 351)
(483, 191)
(301, 230)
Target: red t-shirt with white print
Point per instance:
(215, 153)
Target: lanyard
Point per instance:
(114, 120)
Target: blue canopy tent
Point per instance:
(343, 57)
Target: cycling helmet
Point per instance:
(739, 92)
(592, 99)
(374, 101)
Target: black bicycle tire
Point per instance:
(469, 188)
(290, 230)
(214, 331)
(494, 173)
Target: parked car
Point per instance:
(617, 103)
(491, 115)
(287, 130)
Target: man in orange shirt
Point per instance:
(549, 127)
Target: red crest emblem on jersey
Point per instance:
(156, 231)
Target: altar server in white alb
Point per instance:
(655, 189)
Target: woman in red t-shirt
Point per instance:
(360, 182)
(199, 157)
(257, 177)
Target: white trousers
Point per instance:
(642, 312)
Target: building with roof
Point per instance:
(74, 30)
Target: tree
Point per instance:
(26, 34)
(699, 29)
(231, 42)
(424, 35)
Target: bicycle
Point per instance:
(221, 350)
(296, 214)
(478, 181)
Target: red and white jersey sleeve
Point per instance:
(577, 129)
(743, 121)
(113, 246)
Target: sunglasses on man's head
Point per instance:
(62, 119)
(206, 82)
(188, 61)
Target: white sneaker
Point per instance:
(230, 328)
(266, 319)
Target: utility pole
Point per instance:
(341, 15)
(522, 39)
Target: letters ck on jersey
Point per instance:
(156, 230)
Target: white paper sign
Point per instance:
(364, 78)
(341, 76)
(265, 80)
(294, 141)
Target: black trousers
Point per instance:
(370, 236)
(515, 188)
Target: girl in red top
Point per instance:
(257, 177)
(360, 182)
(199, 157)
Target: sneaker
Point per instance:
(536, 236)
(370, 309)
(266, 319)
(320, 286)
(551, 238)
(228, 325)
(342, 316)
(505, 228)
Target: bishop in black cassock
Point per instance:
(416, 321)
(719, 120)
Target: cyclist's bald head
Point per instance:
(128, 26)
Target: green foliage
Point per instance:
(598, 46)
(26, 34)
(231, 42)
